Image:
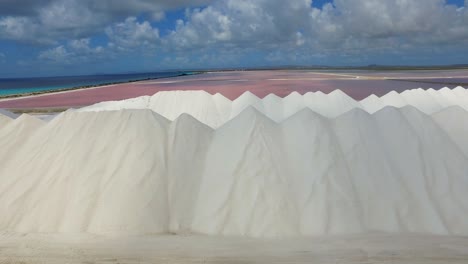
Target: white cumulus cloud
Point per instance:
(243, 22)
(293, 29)
(131, 34)
(57, 54)
(78, 50)
(349, 27)
(49, 21)
(123, 37)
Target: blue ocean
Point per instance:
(12, 86)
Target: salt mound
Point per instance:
(15, 133)
(275, 169)
(4, 120)
(453, 121)
(215, 110)
(6, 117)
(9, 114)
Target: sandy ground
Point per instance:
(372, 248)
(232, 84)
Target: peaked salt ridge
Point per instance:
(215, 110)
(134, 171)
(9, 114)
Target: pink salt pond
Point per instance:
(357, 84)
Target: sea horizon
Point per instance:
(26, 85)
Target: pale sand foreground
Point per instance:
(372, 248)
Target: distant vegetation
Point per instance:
(372, 67)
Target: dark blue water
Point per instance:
(12, 86)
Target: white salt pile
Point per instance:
(330, 166)
(215, 110)
(6, 113)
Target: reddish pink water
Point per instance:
(233, 84)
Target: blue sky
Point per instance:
(71, 37)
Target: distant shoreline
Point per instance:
(279, 68)
(357, 84)
(82, 87)
(337, 68)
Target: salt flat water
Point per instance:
(231, 84)
(11, 86)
